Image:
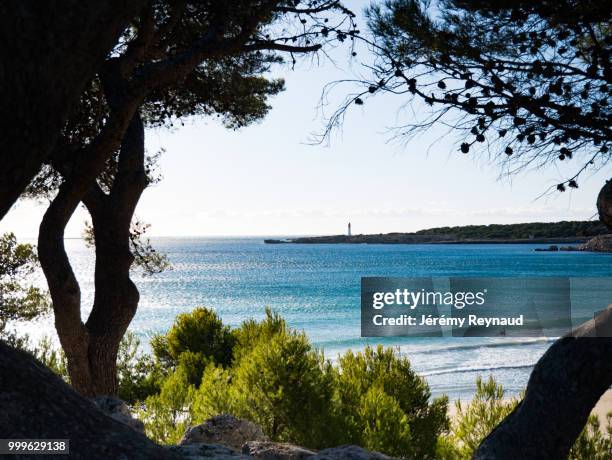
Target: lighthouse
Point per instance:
(349, 229)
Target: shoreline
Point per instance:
(409, 238)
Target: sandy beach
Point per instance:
(603, 406)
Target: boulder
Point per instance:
(117, 409)
(266, 450)
(226, 430)
(205, 451)
(36, 403)
(349, 452)
(282, 451)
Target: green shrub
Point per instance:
(282, 384)
(166, 415)
(474, 421)
(138, 375)
(279, 381)
(251, 332)
(202, 334)
(20, 300)
(194, 364)
(52, 357)
(213, 396)
(593, 443)
(389, 374)
(385, 425)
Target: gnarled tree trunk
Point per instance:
(604, 204)
(116, 297)
(91, 347)
(563, 388)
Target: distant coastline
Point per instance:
(409, 238)
(565, 232)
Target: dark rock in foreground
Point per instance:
(276, 451)
(283, 451)
(38, 404)
(349, 452)
(206, 451)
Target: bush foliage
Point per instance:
(382, 375)
(272, 376)
(474, 421)
(278, 380)
(372, 398)
(196, 339)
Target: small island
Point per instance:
(565, 232)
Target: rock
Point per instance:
(226, 430)
(600, 243)
(551, 248)
(117, 409)
(266, 450)
(282, 451)
(569, 248)
(201, 451)
(349, 452)
(38, 404)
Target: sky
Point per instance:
(269, 179)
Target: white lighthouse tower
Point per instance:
(349, 229)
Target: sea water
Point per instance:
(317, 288)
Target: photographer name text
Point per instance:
(443, 320)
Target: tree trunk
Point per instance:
(116, 296)
(92, 352)
(91, 348)
(55, 48)
(604, 204)
(563, 388)
(115, 302)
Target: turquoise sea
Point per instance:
(317, 289)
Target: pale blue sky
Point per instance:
(267, 180)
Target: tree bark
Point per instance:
(91, 347)
(604, 204)
(63, 285)
(563, 388)
(38, 404)
(116, 296)
(51, 50)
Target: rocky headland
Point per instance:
(413, 238)
(565, 233)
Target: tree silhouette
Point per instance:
(176, 59)
(49, 53)
(530, 82)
